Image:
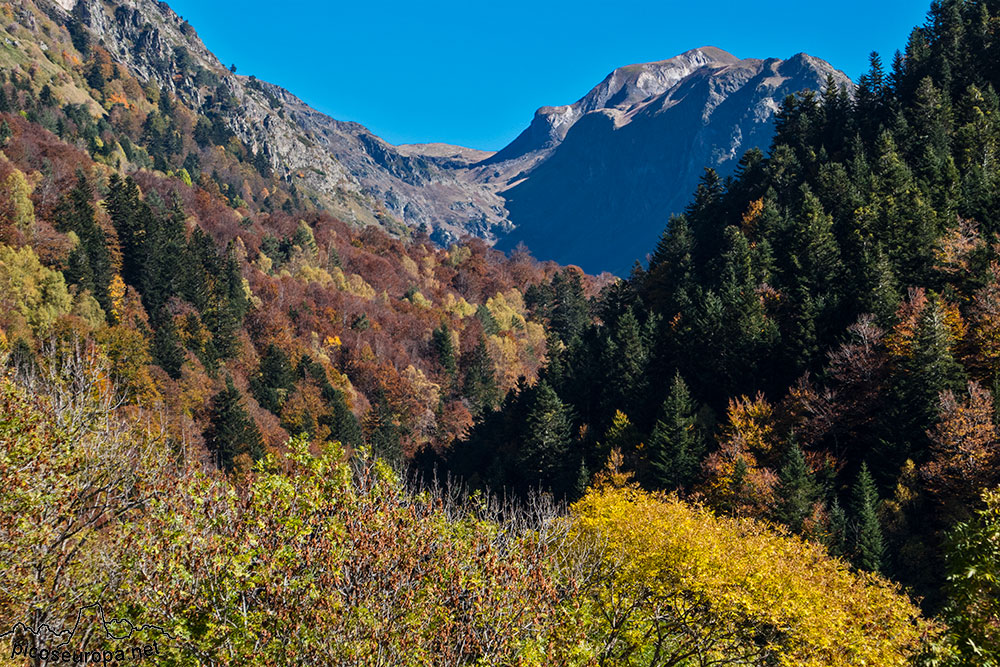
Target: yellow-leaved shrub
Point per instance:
(668, 579)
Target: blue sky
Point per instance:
(472, 73)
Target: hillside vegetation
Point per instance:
(283, 438)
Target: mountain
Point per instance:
(340, 166)
(591, 183)
(602, 175)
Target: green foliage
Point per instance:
(869, 549)
(275, 379)
(676, 444)
(480, 384)
(36, 293)
(543, 456)
(973, 566)
(796, 490)
(445, 349)
(232, 435)
(90, 261)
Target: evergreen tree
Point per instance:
(167, 350)
(796, 490)
(549, 432)
(836, 540)
(384, 433)
(869, 544)
(480, 385)
(275, 379)
(130, 216)
(931, 370)
(231, 432)
(485, 317)
(343, 425)
(570, 312)
(445, 349)
(625, 358)
(90, 261)
(676, 444)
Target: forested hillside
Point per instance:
(219, 292)
(814, 342)
(282, 438)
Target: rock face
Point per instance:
(343, 166)
(591, 183)
(604, 174)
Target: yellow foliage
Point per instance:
(34, 291)
(673, 578)
(428, 262)
(506, 360)
(459, 307)
(16, 207)
(86, 307)
(117, 291)
(740, 474)
(750, 217)
(314, 274)
(507, 310)
(418, 299)
(410, 266)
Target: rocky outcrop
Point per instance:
(604, 174)
(590, 183)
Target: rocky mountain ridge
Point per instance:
(562, 176)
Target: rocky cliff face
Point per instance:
(590, 183)
(604, 174)
(342, 165)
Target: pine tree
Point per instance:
(869, 549)
(796, 490)
(485, 317)
(231, 432)
(676, 444)
(836, 540)
(930, 371)
(570, 312)
(344, 426)
(130, 216)
(625, 358)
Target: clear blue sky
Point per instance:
(473, 73)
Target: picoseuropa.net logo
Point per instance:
(50, 646)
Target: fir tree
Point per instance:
(167, 350)
(231, 432)
(869, 544)
(342, 423)
(480, 385)
(676, 444)
(90, 261)
(384, 432)
(275, 379)
(570, 313)
(836, 540)
(796, 490)
(549, 431)
(445, 349)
